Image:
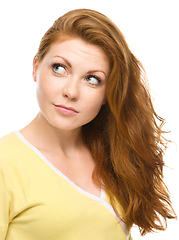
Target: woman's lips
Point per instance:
(66, 110)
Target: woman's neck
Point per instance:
(43, 135)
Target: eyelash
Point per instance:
(89, 76)
(57, 65)
(97, 78)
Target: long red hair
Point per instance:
(125, 139)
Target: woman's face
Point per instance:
(71, 83)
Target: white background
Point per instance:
(151, 28)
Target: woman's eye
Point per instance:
(93, 80)
(58, 68)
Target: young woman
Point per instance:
(89, 166)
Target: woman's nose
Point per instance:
(71, 89)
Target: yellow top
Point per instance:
(38, 202)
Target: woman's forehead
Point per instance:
(77, 49)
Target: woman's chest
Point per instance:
(78, 169)
(54, 208)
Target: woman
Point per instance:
(89, 166)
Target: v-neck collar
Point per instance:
(100, 199)
(102, 195)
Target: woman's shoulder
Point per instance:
(8, 144)
(12, 150)
(17, 160)
(8, 148)
(8, 137)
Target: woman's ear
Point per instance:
(35, 67)
(105, 100)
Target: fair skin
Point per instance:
(71, 84)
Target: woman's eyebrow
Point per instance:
(65, 60)
(69, 64)
(93, 71)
